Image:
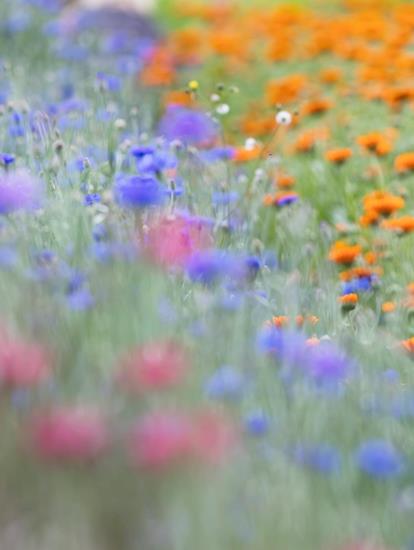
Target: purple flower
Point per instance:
(187, 125)
(379, 459)
(326, 363)
(19, 191)
(138, 191)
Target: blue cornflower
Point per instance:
(222, 198)
(138, 191)
(322, 458)
(112, 83)
(99, 232)
(155, 162)
(226, 383)
(328, 364)
(140, 151)
(360, 284)
(379, 459)
(391, 376)
(188, 126)
(8, 257)
(257, 423)
(7, 159)
(270, 260)
(207, 267)
(287, 346)
(91, 198)
(80, 299)
(217, 154)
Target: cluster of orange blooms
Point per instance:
(365, 57)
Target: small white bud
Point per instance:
(284, 118)
(120, 124)
(223, 109)
(250, 144)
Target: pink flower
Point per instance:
(155, 365)
(69, 434)
(22, 364)
(170, 242)
(362, 545)
(159, 439)
(214, 437)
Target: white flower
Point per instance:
(223, 109)
(250, 144)
(215, 98)
(284, 118)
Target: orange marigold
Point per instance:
(316, 106)
(382, 202)
(348, 300)
(307, 140)
(408, 344)
(343, 253)
(338, 156)
(376, 142)
(404, 162)
(285, 181)
(404, 224)
(330, 75)
(286, 90)
(388, 307)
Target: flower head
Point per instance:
(68, 434)
(155, 365)
(19, 191)
(171, 241)
(22, 364)
(187, 125)
(379, 459)
(139, 191)
(323, 458)
(159, 440)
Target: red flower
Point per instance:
(159, 439)
(171, 241)
(214, 437)
(155, 365)
(69, 434)
(22, 364)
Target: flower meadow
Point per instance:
(207, 276)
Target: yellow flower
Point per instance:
(193, 85)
